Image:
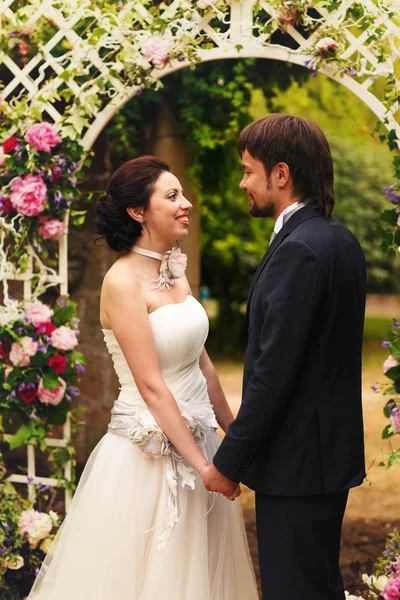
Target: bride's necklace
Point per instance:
(173, 265)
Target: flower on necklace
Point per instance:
(173, 266)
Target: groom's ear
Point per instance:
(282, 174)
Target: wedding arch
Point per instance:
(68, 67)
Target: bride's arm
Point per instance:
(218, 400)
(127, 312)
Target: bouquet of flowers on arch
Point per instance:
(26, 535)
(39, 172)
(39, 366)
(385, 583)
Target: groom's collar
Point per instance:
(308, 212)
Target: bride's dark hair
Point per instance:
(131, 186)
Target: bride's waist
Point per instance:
(191, 397)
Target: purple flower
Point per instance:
(61, 161)
(5, 526)
(73, 391)
(395, 324)
(385, 344)
(375, 388)
(41, 347)
(32, 416)
(62, 302)
(49, 340)
(138, 91)
(20, 330)
(68, 398)
(37, 247)
(30, 479)
(80, 368)
(13, 395)
(13, 34)
(57, 199)
(352, 72)
(3, 550)
(391, 195)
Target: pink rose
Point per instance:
(389, 363)
(392, 589)
(327, 47)
(35, 526)
(28, 195)
(53, 396)
(395, 423)
(64, 338)
(50, 229)
(37, 313)
(156, 50)
(398, 221)
(2, 159)
(42, 136)
(21, 352)
(7, 372)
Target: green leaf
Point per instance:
(50, 379)
(387, 432)
(19, 438)
(389, 216)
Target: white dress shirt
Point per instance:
(285, 216)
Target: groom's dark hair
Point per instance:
(300, 144)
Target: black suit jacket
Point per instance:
(299, 430)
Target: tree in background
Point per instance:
(212, 104)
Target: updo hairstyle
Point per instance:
(131, 186)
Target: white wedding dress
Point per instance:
(133, 531)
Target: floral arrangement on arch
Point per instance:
(26, 535)
(39, 171)
(385, 583)
(39, 368)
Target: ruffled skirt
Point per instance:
(108, 545)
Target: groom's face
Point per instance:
(258, 187)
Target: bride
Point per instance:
(141, 525)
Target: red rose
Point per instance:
(6, 206)
(58, 363)
(28, 392)
(9, 145)
(46, 328)
(4, 353)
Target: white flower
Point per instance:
(378, 583)
(14, 563)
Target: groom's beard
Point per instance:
(263, 211)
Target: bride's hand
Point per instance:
(203, 469)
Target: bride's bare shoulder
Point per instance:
(121, 277)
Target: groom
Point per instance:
(298, 437)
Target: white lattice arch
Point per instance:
(232, 28)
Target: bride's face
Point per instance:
(168, 212)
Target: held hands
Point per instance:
(214, 481)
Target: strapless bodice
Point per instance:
(180, 331)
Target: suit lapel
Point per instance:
(299, 217)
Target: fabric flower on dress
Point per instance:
(173, 266)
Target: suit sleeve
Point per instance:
(291, 290)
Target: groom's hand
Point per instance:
(214, 481)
